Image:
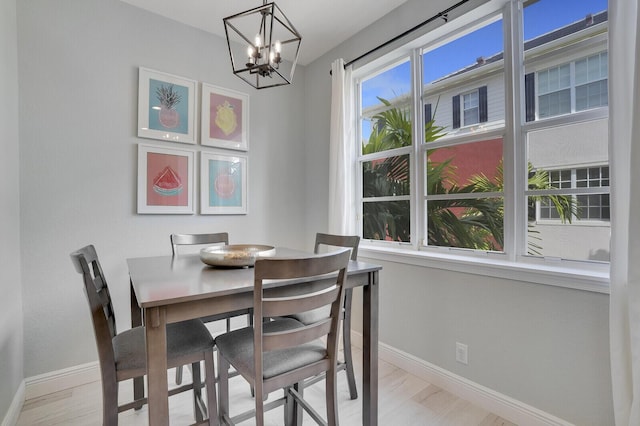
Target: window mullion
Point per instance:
(418, 169)
(572, 85)
(514, 154)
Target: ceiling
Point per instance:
(323, 25)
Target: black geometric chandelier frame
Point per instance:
(263, 46)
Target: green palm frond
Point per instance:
(474, 222)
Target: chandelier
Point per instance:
(259, 41)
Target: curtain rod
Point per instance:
(442, 15)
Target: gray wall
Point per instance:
(542, 345)
(78, 67)
(11, 347)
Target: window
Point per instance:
(463, 197)
(589, 207)
(474, 108)
(584, 80)
(471, 110)
(567, 143)
(432, 165)
(591, 82)
(554, 91)
(385, 168)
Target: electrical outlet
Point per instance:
(462, 353)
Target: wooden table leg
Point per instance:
(136, 321)
(156, 331)
(370, 351)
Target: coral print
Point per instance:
(167, 180)
(167, 183)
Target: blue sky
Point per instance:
(539, 18)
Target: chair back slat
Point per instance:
(331, 240)
(283, 306)
(296, 337)
(197, 239)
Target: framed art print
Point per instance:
(224, 118)
(223, 183)
(165, 180)
(166, 106)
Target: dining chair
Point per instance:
(282, 353)
(123, 355)
(221, 238)
(328, 241)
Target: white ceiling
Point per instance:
(323, 24)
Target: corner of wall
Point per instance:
(11, 418)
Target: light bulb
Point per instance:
(258, 40)
(272, 55)
(278, 46)
(250, 51)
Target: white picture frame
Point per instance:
(166, 106)
(224, 121)
(166, 180)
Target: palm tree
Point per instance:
(476, 223)
(391, 219)
(473, 222)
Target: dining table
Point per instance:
(168, 289)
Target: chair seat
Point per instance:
(237, 348)
(183, 338)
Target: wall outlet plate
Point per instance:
(462, 353)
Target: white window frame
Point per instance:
(571, 87)
(408, 150)
(589, 81)
(513, 263)
(573, 184)
(556, 90)
(464, 109)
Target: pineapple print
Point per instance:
(169, 98)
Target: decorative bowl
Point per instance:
(235, 255)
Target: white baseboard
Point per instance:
(54, 381)
(495, 402)
(492, 401)
(11, 418)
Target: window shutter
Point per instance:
(427, 113)
(483, 113)
(530, 97)
(456, 112)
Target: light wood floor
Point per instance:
(404, 400)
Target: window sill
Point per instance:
(594, 278)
